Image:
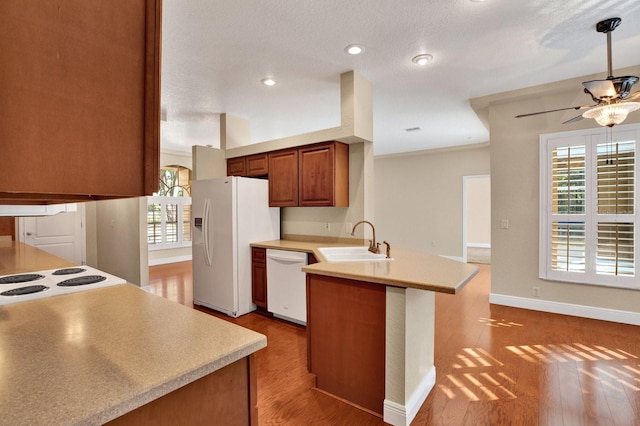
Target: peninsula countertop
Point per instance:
(408, 269)
(91, 356)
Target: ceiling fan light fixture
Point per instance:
(612, 114)
(422, 60)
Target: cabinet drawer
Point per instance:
(258, 255)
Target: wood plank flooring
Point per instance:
(494, 365)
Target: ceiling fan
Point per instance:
(612, 96)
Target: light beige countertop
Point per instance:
(408, 269)
(91, 356)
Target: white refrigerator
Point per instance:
(228, 214)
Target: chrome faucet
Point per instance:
(373, 246)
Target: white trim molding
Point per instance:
(398, 414)
(604, 314)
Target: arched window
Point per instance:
(169, 211)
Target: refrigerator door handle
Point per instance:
(205, 232)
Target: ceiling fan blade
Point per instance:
(634, 96)
(599, 89)
(555, 110)
(574, 119)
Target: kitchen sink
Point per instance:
(351, 254)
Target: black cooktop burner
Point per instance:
(68, 271)
(87, 279)
(22, 278)
(24, 290)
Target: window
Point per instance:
(169, 212)
(588, 206)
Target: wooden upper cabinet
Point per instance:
(323, 175)
(236, 166)
(80, 103)
(283, 178)
(257, 165)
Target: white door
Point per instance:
(60, 234)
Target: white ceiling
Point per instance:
(215, 52)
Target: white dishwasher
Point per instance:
(286, 285)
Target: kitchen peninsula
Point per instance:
(119, 354)
(370, 326)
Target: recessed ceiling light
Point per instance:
(354, 49)
(268, 81)
(477, 1)
(422, 59)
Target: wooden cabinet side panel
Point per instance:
(346, 339)
(283, 178)
(225, 396)
(341, 175)
(79, 111)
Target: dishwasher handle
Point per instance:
(284, 259)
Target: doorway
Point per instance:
(476, 234)
(61, 234)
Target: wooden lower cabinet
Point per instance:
(346, 339)
(227, 397)
(259, 277)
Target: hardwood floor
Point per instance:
(495, 365)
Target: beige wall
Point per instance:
(515, 192)
(176, 158)
(419, 200)
(208, 163)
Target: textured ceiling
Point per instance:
(216, 52)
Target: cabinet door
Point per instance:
(259, 277)
(236, 166)
(322, 179)
(80, 104)
(283, 178)
(257, 165)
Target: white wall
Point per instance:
(121, 238)
(419, 197)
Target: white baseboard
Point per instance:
(165, 260)
(398, 414)
(604, 314)
(479, 245)
(458, 258)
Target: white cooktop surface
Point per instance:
(48, 282)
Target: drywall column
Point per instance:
(122, 239)
(234, 131)
(208, 163)
(409, 353)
